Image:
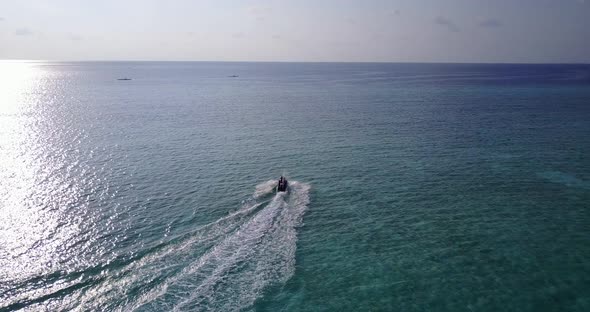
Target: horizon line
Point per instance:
(296, 62)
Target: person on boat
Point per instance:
(281, 186)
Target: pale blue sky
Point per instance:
(538, 31)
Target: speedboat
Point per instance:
(283, 184)
(124, 78)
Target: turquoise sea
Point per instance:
(413, 187)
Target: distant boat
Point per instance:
(233, 76)
(124, 79)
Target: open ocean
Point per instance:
(413, 187)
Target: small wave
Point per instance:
(566, 179)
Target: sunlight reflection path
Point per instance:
(38, 184)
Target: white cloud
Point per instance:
(445, 22)
(75, 37)
(23, 32)
(490, 22)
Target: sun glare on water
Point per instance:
(19, 229)
(32, 191)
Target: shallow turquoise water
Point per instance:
(414, 187)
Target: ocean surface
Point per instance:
(413, 187)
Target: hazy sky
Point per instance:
(303, 30)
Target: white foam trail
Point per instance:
(265, 188)
(147, 269)
(235, 271)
